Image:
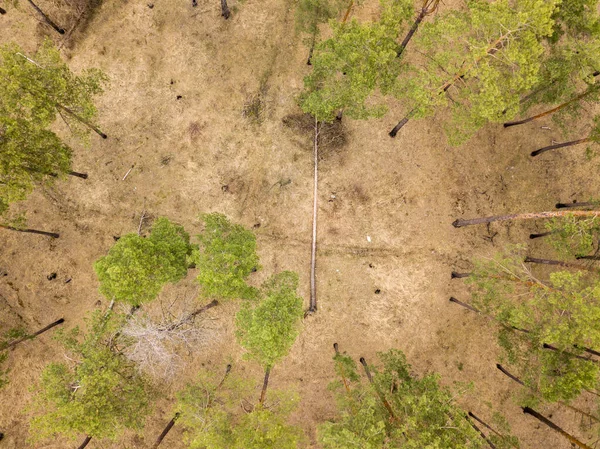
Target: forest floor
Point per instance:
(181, 79)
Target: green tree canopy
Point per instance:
(98, 393)
(562, 311)
(226, 258)
(210, 413)
(268, 328)
(397, 410)
(136, 268)
(37, 88)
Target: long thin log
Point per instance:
(263, 392)
(56, 28)
(520, 382)
(560, 145)
(85, 442)
(82, 120)
(313, 251)
(527, 216)
(31, 336)
(78, 175)
(549, 111)
(576, 204)
(554, 427)
(165, 431)
(31, 231)
(385, 402)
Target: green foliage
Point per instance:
(34, 89)
(99, 393)
(425, 414)
(32, 92)
(268, 329)
(574, 236)
(136, 268)
(563, 311)
(226, 258)
(210, 413)
(311, 13)
(351, 65)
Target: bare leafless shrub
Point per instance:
(158, 346)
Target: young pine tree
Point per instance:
(136, 268)
(545, 325)
(226, 257)
(97, 392)
(268, 329)
(396, 409)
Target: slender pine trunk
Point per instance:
(225, 10)
(384, 401)
(32, 336)
(549, 111)
(78, 175)
(540, 235)
(166, 430)
(85, 442)
(576, 204)
(348, 9)
(560, 145)
(31, 231)
(263, 392)
(411, 32)
(479, 431)
(592, 257)
(56, 28)
(82, 120)
(526, 216)
(569, 354)
(554, 427)
(559, 263)
(483, 423)
(463, 304)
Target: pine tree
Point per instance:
(268, 329)
(226, 258)
(136, 268)
(396, 409)
(98, 393)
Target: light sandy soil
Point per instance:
(401, 193)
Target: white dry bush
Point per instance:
(156, 346)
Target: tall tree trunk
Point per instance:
(540, 235)
(166, 430)
(429, 7)
(35, 334)
(225, 9)
(549, 111)
(520, 382)
(559, 263)
(526, 216)
(567, 353)
(313, 251)
(560, 145)
(85, 442)
(31, 231)
(82, 120)
(465, 305)
(554, 427)
(483, 423)
(263, 392)
(479, 431)
(384, 401)
(348, 10)
(58, 29)
(576, 204)
(78, 175)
